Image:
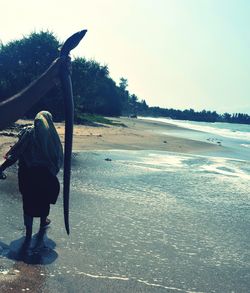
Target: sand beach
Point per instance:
(150, 211)
(135, 134)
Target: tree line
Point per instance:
(95, 92)
(204, 115)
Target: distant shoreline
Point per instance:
(137, 135)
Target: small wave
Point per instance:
(204, 127)
(225, 167)
(118, 278)
(166, 287)
(245, 145)
(103, 277)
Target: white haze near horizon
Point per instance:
(175, 53)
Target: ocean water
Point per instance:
(235, 138)
(230, 130)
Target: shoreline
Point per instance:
(135, 135)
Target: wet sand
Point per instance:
(145, 221)
(18, 276)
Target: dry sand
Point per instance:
(135, 135)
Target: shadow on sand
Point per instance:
(38, 250)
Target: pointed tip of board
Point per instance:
(72, 42)
(83, 32)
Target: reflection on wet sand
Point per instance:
(27, 273)
(145, 221)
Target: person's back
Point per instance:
(39, 145)
(40, 155)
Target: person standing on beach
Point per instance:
(39, 153)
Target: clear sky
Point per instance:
(175, 53)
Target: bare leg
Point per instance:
(28, 222)
(44, 222)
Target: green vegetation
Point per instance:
(95, 92)
(92, 119)
(88, 118)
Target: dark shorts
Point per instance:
(39, 189)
